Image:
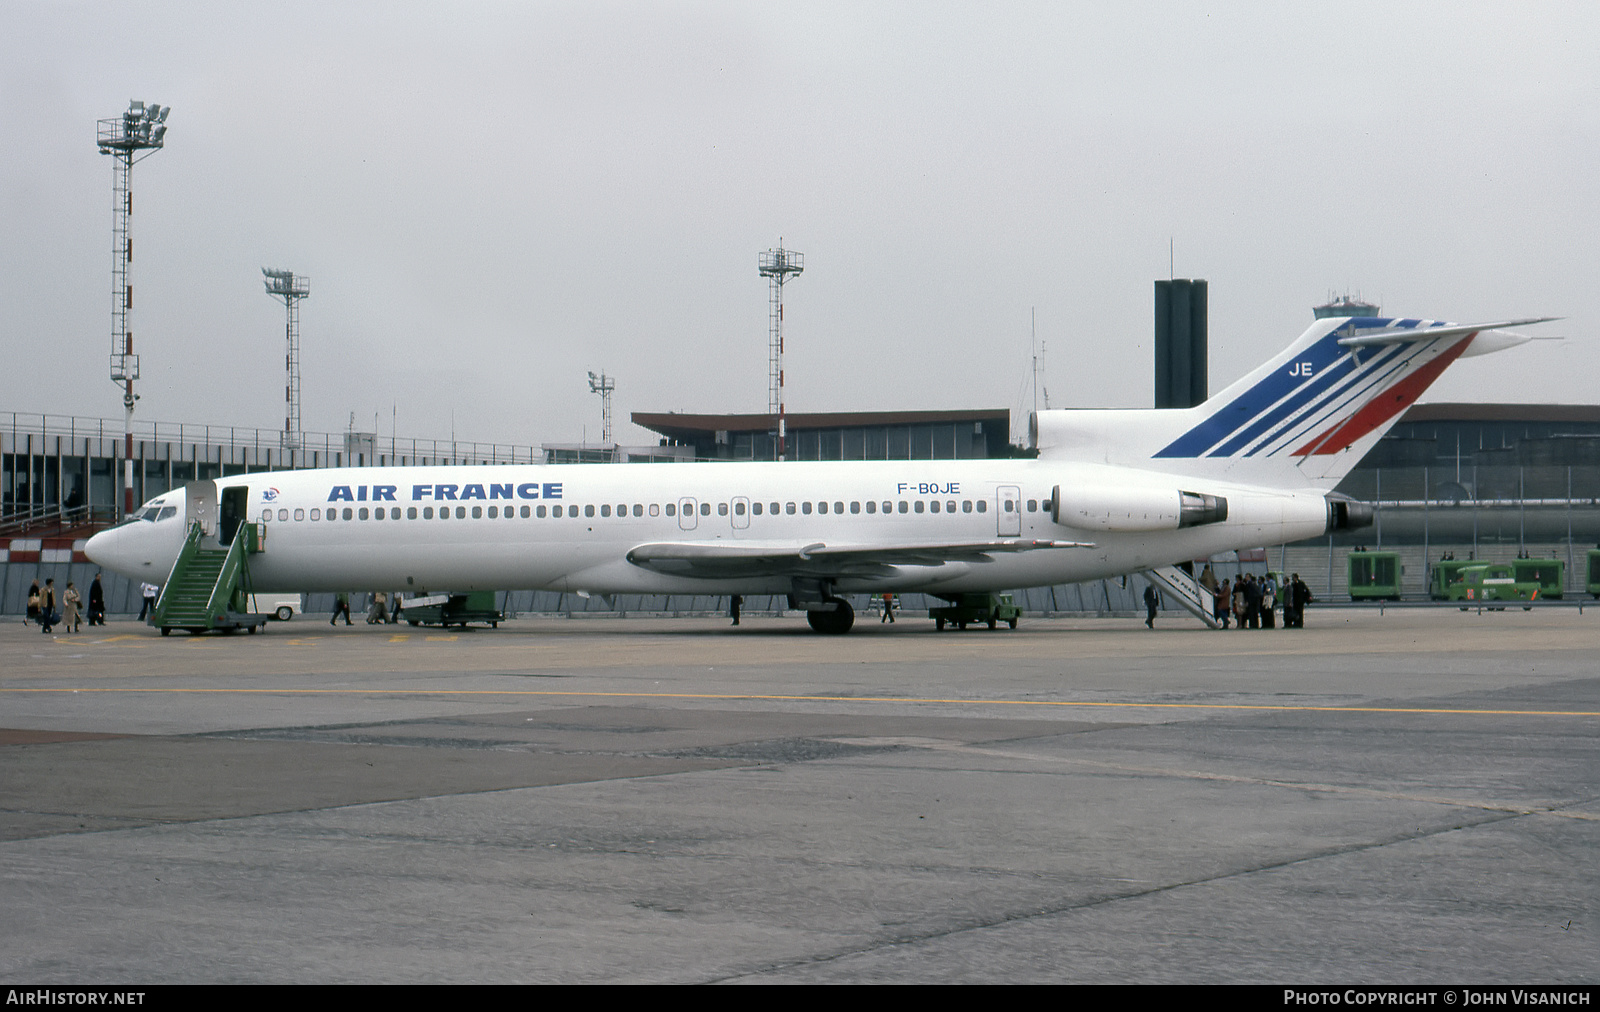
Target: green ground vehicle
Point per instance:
(1549, 574)
(1592, 583)
(1492, 582)
(1374, 576)
(1445, 573)
(453, 609)
(974, 608)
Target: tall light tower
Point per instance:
(603, 385)
(780, 265)
(131, 137)
(289, 288)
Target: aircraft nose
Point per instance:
(111, 550)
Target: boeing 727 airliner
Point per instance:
(1110, 492)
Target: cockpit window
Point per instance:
(166, 512)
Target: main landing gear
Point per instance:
(835, 621)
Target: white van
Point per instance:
(282, 607)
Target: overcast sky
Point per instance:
(491, 199)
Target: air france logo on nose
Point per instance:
(270, 495)
(1302, 369)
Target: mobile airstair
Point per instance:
(1186, 591)
(209, 586)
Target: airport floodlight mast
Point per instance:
(131, 137)
(603, 385)
(289, 288)
(780, 265)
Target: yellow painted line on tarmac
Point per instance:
(762, 697)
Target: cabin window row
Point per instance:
(704, 509)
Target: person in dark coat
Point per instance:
(1223, 603)
(48, 616)
(1152, 601)
(33, 604)
(97, 602)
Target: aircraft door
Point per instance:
(234, 503)
(741, 513)
(200, 504)
(1008, 511)
(688, 514)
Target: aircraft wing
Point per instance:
(711, 560)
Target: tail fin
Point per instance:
(1303, 419)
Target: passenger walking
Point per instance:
(378, 613)
(1222, 602)
(148, 591)
(97, 602)
(48, 617)
(341, 606)
(1152, 601)
(71, 617)
(33, 604)
(734, 602)
(888, 610)
(1269, 601)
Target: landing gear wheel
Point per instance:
(836, 622)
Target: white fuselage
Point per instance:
(495, 527)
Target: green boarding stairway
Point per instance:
(209, 587)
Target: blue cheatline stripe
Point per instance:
(1391, 374)
(1272, 388)
(1335, 373)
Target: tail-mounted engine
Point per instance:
(1135, 509)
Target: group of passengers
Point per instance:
(1251, 601)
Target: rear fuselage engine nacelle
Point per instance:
(1102, 508)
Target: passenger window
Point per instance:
(638, 509)
(822, 507)
(348, 513)
(411, 512)
(378, 513)
(527, 511)
(672, 509)
(918, 506)
(1010, 506)
(705, 509)
(477, 512)
(540, 512)
(605, 510)
(934, 505)
(905, 507)
(966, 505)
(805, 508)
(950, 506)
(838, 507)
(427, 512)
(983, 505)
(588, 511)
(494, 512)
(855, 507)
(755, 508)
(265, 515)
(363, 513)
(299, 514)
(872, 507)
(461, 512)
(773, 509)
(1033, 505)
(738, 509)
(722, 509)
(789, 508)
(655, 510)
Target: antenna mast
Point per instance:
(779, 265)
(131, 137)
(289, 288)
(603, 385)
